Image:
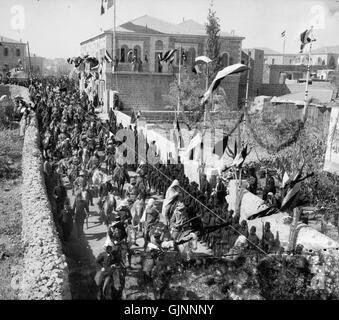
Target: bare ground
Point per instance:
(11, 252)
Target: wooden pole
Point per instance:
(29, 59)
(307, 79)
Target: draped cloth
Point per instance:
(171, 196)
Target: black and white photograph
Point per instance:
(179, 151)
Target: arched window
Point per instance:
(137, 51)
(319, 60)
(159, 46)
(225, 59)
(5, 52)
(123, 54)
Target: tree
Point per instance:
(189, 93)
(331, 63)
(213, 41)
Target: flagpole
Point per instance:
(307, 79)
(179, 80)
(247, 93)
(284, 48)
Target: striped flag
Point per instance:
(233, 69)
(283, 34)
(305, 38)
(203, 59)
(105, 5)
(107, 57)
(168, 55)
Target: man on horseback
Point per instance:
(110, 155)
(108, 260)
(93, 163)
(120, 176)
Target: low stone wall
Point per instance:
(45, 274)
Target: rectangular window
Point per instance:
(272, 61)
(5, 52)
(17, 52)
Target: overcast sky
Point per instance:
(55, 28)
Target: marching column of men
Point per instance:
(72, 139)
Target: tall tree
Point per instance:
(213, 41)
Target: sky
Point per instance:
(55, 28)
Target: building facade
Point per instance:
(11, 51)
(255, 76)
(146, 39)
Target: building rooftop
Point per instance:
(152, 25)
(8, 40)
(266, 50)
(327, 49)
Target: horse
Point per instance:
(120, 176)
(98, 178)
(107, 211)
(110, 162)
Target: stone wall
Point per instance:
(143, 91)
(146, 91)
(310, 238)
(45, 274)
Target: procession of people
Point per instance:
(80, 153)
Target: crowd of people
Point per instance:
(79, 152)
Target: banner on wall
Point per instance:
(332, 148)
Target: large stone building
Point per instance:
(10, 53)
(144, 86)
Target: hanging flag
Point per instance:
(102, 9)
(168, 55)
(107, 57)
(240, 157)
(203, 59)
(105, 5)
(283, 34)
(305, 38)
(178, 130)
(170, 61)
(195, 141)
(220, 146)
(233, 69)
